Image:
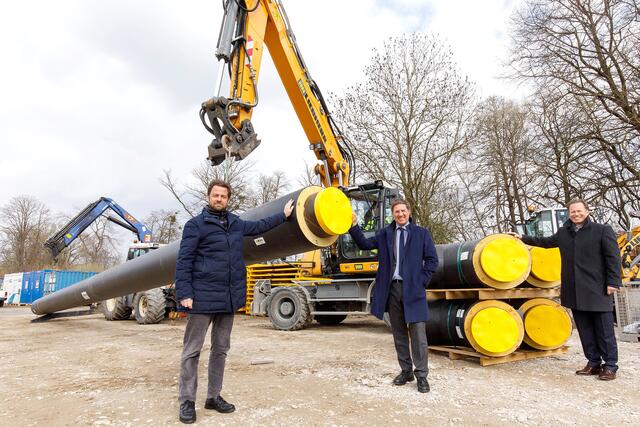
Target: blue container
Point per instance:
(32, 286)
(36, 284)
(54, 280)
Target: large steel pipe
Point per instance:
(547, 324)
(545, 267)
(319, 217)
(491, 327)
(499, 261)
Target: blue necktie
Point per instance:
(401, 246)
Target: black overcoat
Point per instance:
(590, 263)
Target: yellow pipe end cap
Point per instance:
(505, 259)
(547, 326)
(495, 330)
(545, 264)
(333, 211)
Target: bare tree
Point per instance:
(501, 154)
(406, 122)
(193, 195)
(96, 247)
(588, 50)
(268, 188)
(308, 176)
(164, 225)
(24, 227)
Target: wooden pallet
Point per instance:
(490, 293)
(456, 353)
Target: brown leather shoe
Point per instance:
(607, 375)
(589, 370)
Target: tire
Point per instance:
(288, 309)
(330, 319)
(149, 307)
(115, 309)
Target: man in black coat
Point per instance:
(211, 285)
(591, 273)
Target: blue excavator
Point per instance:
(149, 306)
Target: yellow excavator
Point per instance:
(328, 284)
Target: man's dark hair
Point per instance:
(576, 201)
(218, 183)
(399, 201)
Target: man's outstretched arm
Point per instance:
(358, 237)
(251, 228)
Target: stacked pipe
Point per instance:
(497, 327)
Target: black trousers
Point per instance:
(598, 337)
(401, 334)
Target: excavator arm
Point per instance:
(247, 27)
(63, 238)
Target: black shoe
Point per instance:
(219, 404)
(423, 385)
(188, 412)
(403, 378)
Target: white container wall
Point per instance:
(12, 287)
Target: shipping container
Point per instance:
(12, 287)
(33, 286)
(60, 279)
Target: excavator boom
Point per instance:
(248, 27)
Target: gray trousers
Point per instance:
(416, 331)
(194, 335)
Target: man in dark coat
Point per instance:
(211, 286)
(406, 261)
(591, 273)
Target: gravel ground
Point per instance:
(87, 371)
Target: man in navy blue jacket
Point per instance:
(211, 286)
(407, 259)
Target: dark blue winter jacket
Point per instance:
(210, 267)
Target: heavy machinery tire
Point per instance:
(149, 307)
(288, 309)
(330, 319)
(115, 309)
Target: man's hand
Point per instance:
(516, 235)
(187, 303)
(354, 219)
(611, 290)
(288, 208)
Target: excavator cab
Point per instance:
(372, 205)
(543, 222)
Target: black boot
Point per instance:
(403, 378)
(423, 385)
(219, 404)
(188, 412)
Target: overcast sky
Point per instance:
(98, 97)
